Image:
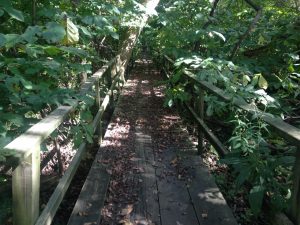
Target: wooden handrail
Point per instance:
(285, 130)
(21, 147)
(23, 155)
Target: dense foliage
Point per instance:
(250, 49)
(47, 48)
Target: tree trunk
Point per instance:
(131, 38)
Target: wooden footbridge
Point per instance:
(146, 171)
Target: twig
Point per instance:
(249, 30)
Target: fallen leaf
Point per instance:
(127, 210)
(204, 215)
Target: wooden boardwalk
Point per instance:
(148, 166)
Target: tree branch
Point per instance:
(205, 26)
(258, 10)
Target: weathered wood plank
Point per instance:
(207, 199)
(147, 210)
(87, 209)
(174, 199)
(26, 189)
(210, 135)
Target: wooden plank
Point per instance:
(175, 203)
(147, 209)
(207, 199)
(210, 135)
(26, 189)
(48, 213)
(87, 209)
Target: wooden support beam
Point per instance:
(295, 203)
(210, 135)
(26, 189)
(60, 191)
(200, 110)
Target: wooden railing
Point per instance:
(283, 129)
(23, 153)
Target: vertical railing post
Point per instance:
(98, 104)
(295, 204)
(200, 110)
(26, 190)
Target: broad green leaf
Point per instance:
(54, 32)
(16, 119)
(1, 12)
(12, 40)
(34, 50)
(85, 30)
(30, 34)
(52, 50)
(52, 64)
(72, 34)
(262, 83)
(27, 84)
(114, 35)
(246, 79)
(256, 198)
(75, 51)
(16, 14)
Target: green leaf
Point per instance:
(2, 40)
(1, 12)
(114, 35)
(16, 14)
(30, 34)
(12, 40)
(52, 50)
(34, 51)
(256, 198)
(85, 31)
(246, 80)
(72, 34)
(262, 83)
(170, 103)
(54, 32)
(74, 51)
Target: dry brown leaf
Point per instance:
(126, 211)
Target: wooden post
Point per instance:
(26, 190)
(200, 110)
(295, 207)
(98, 103)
